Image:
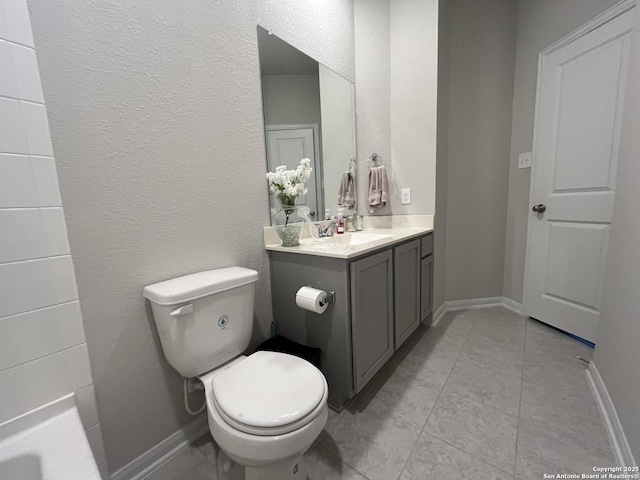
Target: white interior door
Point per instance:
(575, 148)
(287, 146)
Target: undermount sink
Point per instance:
(354, 238)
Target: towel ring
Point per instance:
(374, 161)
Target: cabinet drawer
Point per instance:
(426, 247)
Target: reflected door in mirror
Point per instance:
(287, 146)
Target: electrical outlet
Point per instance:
(405, 196)
(524, 160)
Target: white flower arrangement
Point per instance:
(288, 185)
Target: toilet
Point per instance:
(266, 409)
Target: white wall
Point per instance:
(373, 89)
(414, 84)
(480, 66)
(396, 67)
(43, 353)
(156, 117)
(616, 353)
(540, 23)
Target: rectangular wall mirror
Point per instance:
(309, 112)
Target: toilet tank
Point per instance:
(204, 319)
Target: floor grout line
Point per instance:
(469, 453)
(454, 365)
(524, 350)
(437, 399)
(490, 406)
(460, 363)
(334, 454)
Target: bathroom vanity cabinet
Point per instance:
(406, 267)
(381, 297)
(371, 315)
(426, 277)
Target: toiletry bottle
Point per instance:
(340, 230)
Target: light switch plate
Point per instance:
(405, 196)
(524, 160)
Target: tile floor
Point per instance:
(486, 394)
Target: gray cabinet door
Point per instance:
(426, 285)
(371, 315)
(406, 267)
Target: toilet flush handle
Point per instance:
(183, 310)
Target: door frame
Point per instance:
(596, 22)
(317, 170)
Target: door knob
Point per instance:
(540, 208)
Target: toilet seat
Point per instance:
(269, 393)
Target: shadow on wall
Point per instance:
(173, 382)
(257, 335)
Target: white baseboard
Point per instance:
(170, 446)
(439, 313)
(512, 305)
(619, 444)
(156, 456)
(473, 304)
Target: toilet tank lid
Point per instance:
(198, 285)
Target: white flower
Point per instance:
(290, 182)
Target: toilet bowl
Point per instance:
(264, 410)
(266, 431)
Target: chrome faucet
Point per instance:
(326, 231)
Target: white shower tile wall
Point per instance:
(43, 351)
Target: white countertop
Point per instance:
(353, 244)
(326, 247)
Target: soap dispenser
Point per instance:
(340, 229)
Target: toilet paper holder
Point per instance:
(330, 298)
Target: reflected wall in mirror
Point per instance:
(309, 112)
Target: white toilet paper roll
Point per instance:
(311, 298)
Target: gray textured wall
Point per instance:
(156, 121)
(480, 68)
(616, 354)
(540, 23)
(291, 99)
(442, 147)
